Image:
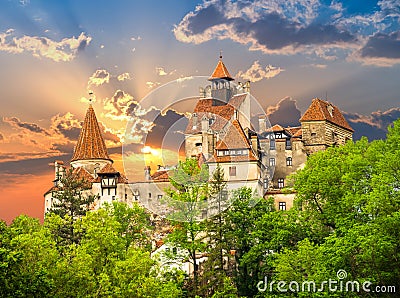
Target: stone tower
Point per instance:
(323, 125)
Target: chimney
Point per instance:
(147, 173)
(204, 124)
(262, 126)
(254, 143)
(194, 120)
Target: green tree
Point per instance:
(134, 224)
(188, 200)
(71, 201)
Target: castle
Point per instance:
(219, 132)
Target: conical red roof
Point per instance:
(90, 144)
(220, 72)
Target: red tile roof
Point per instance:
(298, 134)
(82, 173)
(319, 111)
(235, 138)
(204, 107)
(292, 130)
(237, 100)
(276, 127)
(160, 176)
(90, 144)
(108, 169)
(221, 72)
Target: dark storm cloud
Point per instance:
(383, 46)
(161, 134)
(373, 126)
(71, 133)
(285, 113)
(270, 29)
(31, 166)
(82, 45)
(275, 32)
(67, 148)
(14, 121)
(206, 18)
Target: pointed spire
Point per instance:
(220, 71)
(90, 144)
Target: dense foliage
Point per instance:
(112, 258)
(346, 220)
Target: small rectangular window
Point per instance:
(288, 144)
(159, 197)
(282, 205)
(232, 171)
(149, 195)
(272, 144)
(265, 183)
(281, 183)
(272, 162)
(289, 161)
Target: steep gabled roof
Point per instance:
(82, 173)
(220, 72)
(90, 144)
(108, 169)
(235, 138)
(292, 130)
(321, 110)
(222, 114)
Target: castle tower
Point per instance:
(220, 84)
(323, 125)
(90, 151)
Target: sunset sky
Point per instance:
(52, 53)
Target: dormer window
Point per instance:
(330, 110)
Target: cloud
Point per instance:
(380, 49)
(151, 85)
(256, 73)
(66, 125)
(136, 38)
(15, 122)
(284, 113)
(161, 71)
(319, 66)
(373, 126)
(64, 50)
(118, 105)
(163, 133)
(124, 76)
(326, 29)
(99, 77)
(273, 27)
